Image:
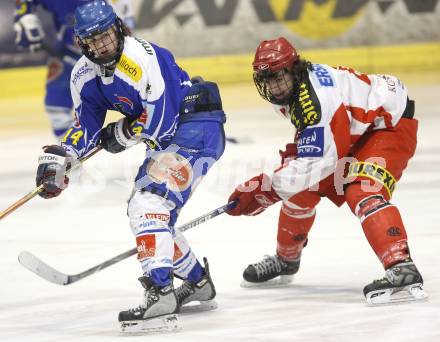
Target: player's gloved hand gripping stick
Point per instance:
(54, 166)
(41, 188)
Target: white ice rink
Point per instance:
(87, 225)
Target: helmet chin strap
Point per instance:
(109, 62)
(106, 71)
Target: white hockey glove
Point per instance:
(29, 33)
(118, 136)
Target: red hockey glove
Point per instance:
(289, 152)
(254, 196)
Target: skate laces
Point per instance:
(269, 264)
(184, 290)
(151, 297)
(140, 309)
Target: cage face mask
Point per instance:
(273, 65)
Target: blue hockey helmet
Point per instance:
(99, 32)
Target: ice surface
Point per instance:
(88, 225)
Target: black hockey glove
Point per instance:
(117, 136)
(52, 166)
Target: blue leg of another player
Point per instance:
(58, 101)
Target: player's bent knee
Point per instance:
(147, 211)
(294, 211)
(149, 216)
(362, 204)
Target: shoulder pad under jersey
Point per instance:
(139, 67)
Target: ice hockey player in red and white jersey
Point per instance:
(355, 134)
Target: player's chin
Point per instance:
(280, 96)
(106, 54)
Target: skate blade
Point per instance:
(162, 324)
(280, 281)
(408, 294)
(196, 306)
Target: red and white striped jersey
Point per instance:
(341, 104)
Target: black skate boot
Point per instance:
(157, 314)
(202, 292)
(263, 273)
(402, 283)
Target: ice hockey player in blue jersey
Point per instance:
(30, 36)
(182, 123)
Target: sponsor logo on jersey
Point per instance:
(311, 142)
(146, 45)
(323, 76)
(125, 100)
(130, 68)
(81, 72)
(373, 171)
(308, 114)
(392, 83)
(122, 103)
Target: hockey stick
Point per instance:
(39, 188)
(43, 270)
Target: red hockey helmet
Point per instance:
(273, 65)
(274, 55)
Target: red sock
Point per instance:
(293, 228)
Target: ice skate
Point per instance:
(158, 314)
(402, 283)
(270, 272)
(197, 297)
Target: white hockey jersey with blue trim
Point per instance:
(147, 81)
